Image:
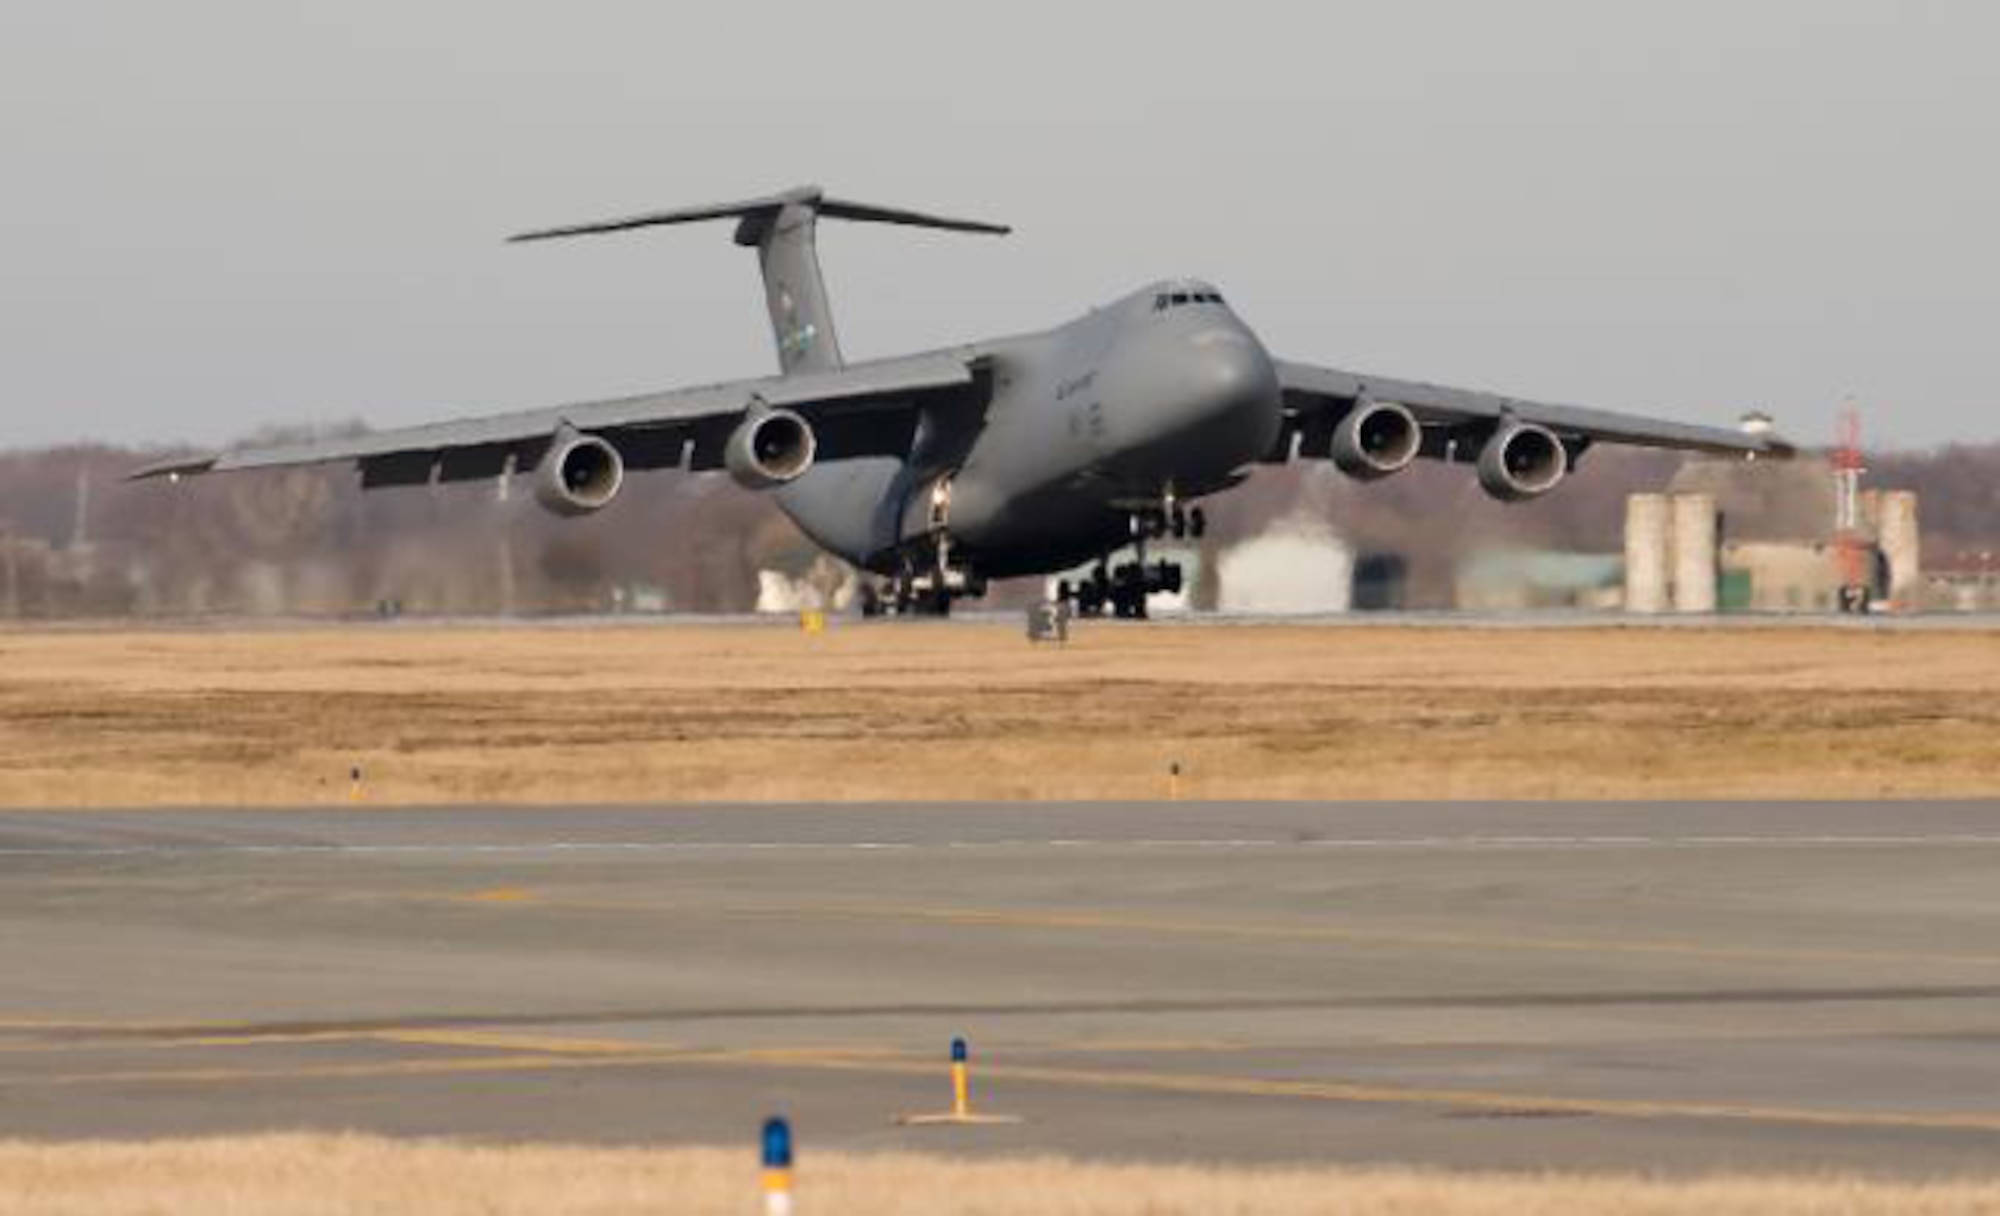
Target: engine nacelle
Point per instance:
(1375, 439)
(1522, 461)
(579, 474)
(770, 448)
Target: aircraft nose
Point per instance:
(1191, 405)
(1230, 368)
(1227, 388)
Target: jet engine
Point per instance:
(1375, 439)
(769, 448)
(579, 474)
(1522, 461)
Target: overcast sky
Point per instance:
(226, 214)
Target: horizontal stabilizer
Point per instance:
(762, 209)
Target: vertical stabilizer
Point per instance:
(782, 228)
(786, 240)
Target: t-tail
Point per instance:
(781, 229)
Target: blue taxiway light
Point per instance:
(777, 1145)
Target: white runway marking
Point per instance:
(1413, 843)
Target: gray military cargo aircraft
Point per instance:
(1018, 456)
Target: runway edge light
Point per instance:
(961, 1097)
(777, 1167)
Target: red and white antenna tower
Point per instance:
(1849, 530)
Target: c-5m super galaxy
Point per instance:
(1018, 456)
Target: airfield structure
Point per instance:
(1648, 575)
(1671, 547)
(1802, 536)
(1895, 515)
(1855, 584)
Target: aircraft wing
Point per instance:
(861, 409)
(1456, 420)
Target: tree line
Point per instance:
(77, 540)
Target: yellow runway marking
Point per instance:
(113, 1025)
(1397, 938)
(1474, 1100)
(599, 1054)
(498, 895)
(101, 1036)
(337, 1072)
(1400, 939)
(547, 1044)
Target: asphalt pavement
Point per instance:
(1664, 987)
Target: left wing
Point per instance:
(861, 409)
(1457, 421)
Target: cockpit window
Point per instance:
(1180, 299)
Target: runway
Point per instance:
(1663, 987)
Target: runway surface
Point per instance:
(1642, 986)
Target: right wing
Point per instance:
(1457, 419)
(862, 409)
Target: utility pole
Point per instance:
(81, 565)
(79, 536)
(12, 603)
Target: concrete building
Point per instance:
(1670, 553)
(1895, 519)
(1648, 573)
(1775, 544)
(1696, 528)
(1780, 576)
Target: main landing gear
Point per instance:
(1181, 523)
(920, 593)
(1124, 587)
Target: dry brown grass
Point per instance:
(344, 1175)
(967, 711)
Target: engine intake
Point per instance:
(579, 474)
(1375, 439)
(1522, 461)
(770, 448)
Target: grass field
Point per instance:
(567, 714)
(347, 1176)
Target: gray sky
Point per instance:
(222, 214)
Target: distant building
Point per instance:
(1773, 543)
(1513, 580)
(1968, 582)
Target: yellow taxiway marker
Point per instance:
(961, 1113)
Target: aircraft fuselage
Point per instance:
(1164, 396)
